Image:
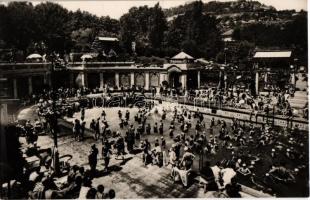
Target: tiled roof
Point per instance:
(181, 56)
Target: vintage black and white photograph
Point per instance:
(154, 99)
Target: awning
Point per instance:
(273, 54)
(34, 56)
(109, 39)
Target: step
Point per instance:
(298, 102)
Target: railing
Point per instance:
(245, 115)
(101, 63)
(8, 68)
(13, 66)
(25, 63)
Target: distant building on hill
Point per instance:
(106, 45)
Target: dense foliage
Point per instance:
(195, 32)
(48, 27)
(195, 28)
(291, 35)
(145, 26)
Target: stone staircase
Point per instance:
(301, 97)
(301, 84)
(299, 100)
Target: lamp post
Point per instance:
(52, 118)
(293, 71)
(257, 71)
(222, 70)
(225, 51)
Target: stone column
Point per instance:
(220, 79)
(15, 88)
(225, 81)
(293, 79)
(85, 79)
(101, 80)
(132, 79)
(256, 83)
(117, 79)
(266, 77)
(198, 79)
(4, 118)
(47, 79)
(158, 90)
(147, 81)
(82, 79)
(184, 81)
(161, 78)
(30, 89)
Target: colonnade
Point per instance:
(163, 76)
(29, 83)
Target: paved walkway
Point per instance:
(28, 113)
(129, 180)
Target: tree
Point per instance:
(196, 32)
(108, 27)
(83, 38)
(18, 28)
(3, 21)
(129, 29)
(158, 26)
(134, 28)
(176, 33)
(145, 26)
(52, 21)
(296, 35)
(289, 35)
(81, 20)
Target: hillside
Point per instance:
(237, 13)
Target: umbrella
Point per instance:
(86, 56)
(203, 61)
(241, 101)
(34, 56)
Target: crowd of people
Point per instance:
(40, 179)
(43, 185)
(275, 102)
(192, 140)
(240, 139)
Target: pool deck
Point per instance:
(131, 179)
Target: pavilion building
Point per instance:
(273, 68)
(180, 72)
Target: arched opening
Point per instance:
(174, 80)
(174, 77)
(93, 80)
(192, 81)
